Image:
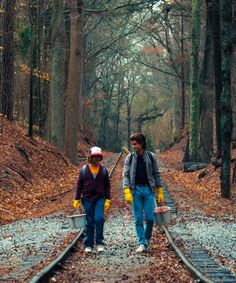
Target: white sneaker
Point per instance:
(140, 249)
(88, 250)
(100, 248)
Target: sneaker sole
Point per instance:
(88, 252)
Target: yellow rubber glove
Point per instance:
(128, 195)
(106, 205)
(77, 203)
(160, 194)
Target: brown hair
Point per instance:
(139, 138)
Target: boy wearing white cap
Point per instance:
(93, 191)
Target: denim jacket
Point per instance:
(153, 172)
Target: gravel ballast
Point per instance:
(215, 234)
(26, 243)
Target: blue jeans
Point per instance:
(95, 219)
(143, 200)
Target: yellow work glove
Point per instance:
(106, 205)
(77, 203)
(160, 194)
(128, 195)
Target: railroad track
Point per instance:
(43, 274)
(204, 268)
(26, 244)
(197, 260)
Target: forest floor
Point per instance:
(198, 195)
(36, 179)
(119, 262)
(195, 191)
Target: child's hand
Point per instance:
(77, 203)
(106, 205)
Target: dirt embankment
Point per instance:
(200, 190)
(34, 175)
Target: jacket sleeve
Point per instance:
(107, 186)
(156, 171)
(79, 187)
(126, 172)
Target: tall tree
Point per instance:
(108, 87)
(131, 89)
(73, 115)
(120, 93)
(8, 58)
(182, 71)
(226, 111)
(33, 64)
(233, 73)
(57, 91)
(207, 91)
(194, 82)
(216, 28)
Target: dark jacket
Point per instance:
(93, 189)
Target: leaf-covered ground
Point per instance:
(119, 263)
(200, 190)
(35, 176)
(36, 179)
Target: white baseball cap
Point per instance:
(95, 151)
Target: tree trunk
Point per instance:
(117, 122)
(128, 123)
(45, 85)
(102, 131)
(194, 83)
(207, 90)
(57, 91)
(8, 58)
(39, 30)
(108, 90)
(73, 115)
(140, 125)
(21, 87)
(1, 43)
(118, 116)
(32, 48)
(226, 111)
(182, 72)
(233, 75)
(216, 26)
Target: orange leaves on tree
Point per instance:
(36, 72)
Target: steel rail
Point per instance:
(197, 273)
(199, 263)
(117, 161)
(44, 273)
